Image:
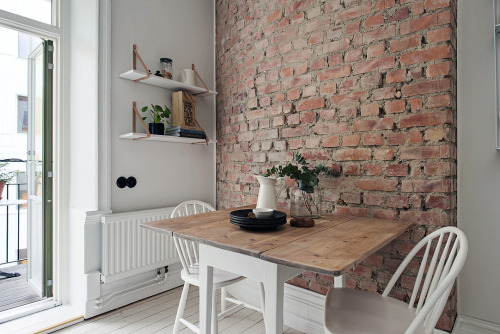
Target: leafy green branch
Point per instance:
(157, 113)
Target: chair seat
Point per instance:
(221, 278)
(350, 311)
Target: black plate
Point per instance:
(242, 215)
(260, 227)
(240, 218)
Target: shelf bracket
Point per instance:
(134, 64)
(135, 113)
(203, 82)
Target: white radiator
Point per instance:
(129, 249)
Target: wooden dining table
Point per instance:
(334, 245)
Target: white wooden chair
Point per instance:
(188, 253)
(350, 311)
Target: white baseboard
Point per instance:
(467, 325)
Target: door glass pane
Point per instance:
(40, 10)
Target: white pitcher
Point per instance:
(267, 192)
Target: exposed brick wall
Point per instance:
(366, 85)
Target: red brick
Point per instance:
(331, 127)
(383, 33)
(373, 199)
(426, 152)
(353, 55)
(396, 138)
(354, 12)
(259, 113)
(420, 23)
(426, 186)
(297, 81)
(352, 27)
(384, 4)
(416, 104)
(393, 107)
(267, 65)
(350, 140)
(383, 154)
(437, 169)
(396, 76)
(298, 56)
(274, 16)
(334, 73)
(385, 214)
(308, 117)
(439, 69)
(439, 202)
(373, 80)
(437, 52)
(370, 109)
(400, 14)
(416, 137)
(318, 64)
(378, 185)
(373, 124)
(352, 169)
(426, 87)
(436, 4)
(428, 119)
(293, 94)
(398, 201)
(396, 170)
(375, 20)
(439, 35)
(295, 132)
(343, 99)
(331, 141)
(439, 101)
(375, 51)
(383, 93)
(406, 43)
(311, 104)
(374, 64)
(372, 169)
(354, 154)
(372, 139)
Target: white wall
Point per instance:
(166, 173)
(478, 163)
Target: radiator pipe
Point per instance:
(159, 279)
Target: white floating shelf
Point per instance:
(171, 139)
(157, 81)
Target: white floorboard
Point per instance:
(157, 314)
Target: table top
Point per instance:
(333, 246)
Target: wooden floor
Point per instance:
(16, 291)
(157, 314)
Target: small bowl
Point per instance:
(263, 212)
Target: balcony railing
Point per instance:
(13, 205)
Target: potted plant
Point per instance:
(5, 177)
(306, 202)
(157, 113)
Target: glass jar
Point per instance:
(306, 202)
(166, 67)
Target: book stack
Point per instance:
(178, 131)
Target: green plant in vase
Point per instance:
(157, 114)
(307, 200)
(5, 176)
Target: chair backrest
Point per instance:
(441, 263)
(188, 250)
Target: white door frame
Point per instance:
(61, 137)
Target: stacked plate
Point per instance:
(240, 218)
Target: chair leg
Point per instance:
(182, 306)
(215, 328)
(223, 301)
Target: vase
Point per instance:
(306, 202)
(267, 192)
(157, 128)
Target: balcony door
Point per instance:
(40, 76)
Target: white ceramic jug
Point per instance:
(187, 76)
(267, 192)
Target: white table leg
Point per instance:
(206, 295)
(274, 292)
